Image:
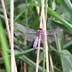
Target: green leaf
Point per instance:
(66, 58)
(30, 62)
(67, 44)
(4, 48)
(66, 5)
(66, 24)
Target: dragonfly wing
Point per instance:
(35, 43)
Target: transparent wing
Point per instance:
(31, 34)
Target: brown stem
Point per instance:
(6, 20)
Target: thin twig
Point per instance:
(24, 67)
(38, 52)
(38, 48)
(13, 62)
(43, 25)
(51, 63)
(6, 20)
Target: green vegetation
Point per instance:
(26, 22)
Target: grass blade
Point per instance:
(66, 24)
(4, 48)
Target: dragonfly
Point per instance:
(31, 34)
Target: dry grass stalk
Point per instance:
(38, 48)
(43, 26)
(6, 20)
(51, 63)
(13, 62)
(10, 34)
(24, 67)
(38, 52)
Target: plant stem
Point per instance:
(13, 63)
(43, 25)
(38, 52)
(6, 20)
(4, 48)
